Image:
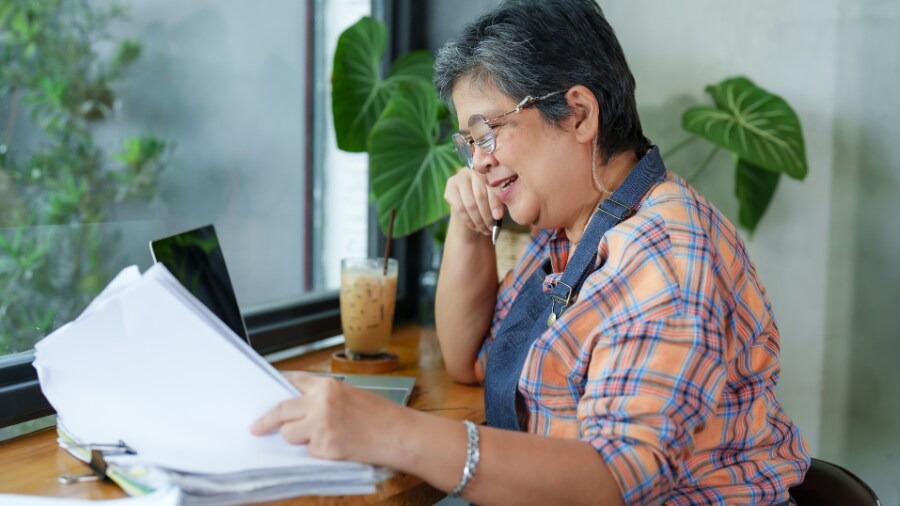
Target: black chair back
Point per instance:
(827, 484)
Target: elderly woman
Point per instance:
(632, 355)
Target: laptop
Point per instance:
(195, 258)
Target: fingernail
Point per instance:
(497, 213)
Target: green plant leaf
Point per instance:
(752, 123)
(7, 246)
(137, 151)
(358, 94)
(413, 65)
(439, 229)
(408, 166)
(5, 10)
(126, 53)
(754, 188)
(21, 26)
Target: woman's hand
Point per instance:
(472, 201)
(337, 421)
(341, 422)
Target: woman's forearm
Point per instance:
(466, 294)
(514, 467)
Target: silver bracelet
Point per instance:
(472, 456)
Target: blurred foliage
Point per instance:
(58, 69)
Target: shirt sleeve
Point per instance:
(654, 383)
(656, 364)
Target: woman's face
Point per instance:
(540, 173)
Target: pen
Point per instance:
(495, 231)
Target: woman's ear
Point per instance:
(585, 116)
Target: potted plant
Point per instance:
(399, 121)
(404, 127)
(761, 131)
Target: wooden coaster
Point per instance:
(385, 362)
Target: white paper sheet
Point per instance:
(170, 497)
(149, 365)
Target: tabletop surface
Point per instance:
(31, 464)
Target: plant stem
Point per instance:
(678, 147)
(13, 108)
(704, 164)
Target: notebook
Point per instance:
(195, 258)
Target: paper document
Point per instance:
(170, 497)
(149, 365)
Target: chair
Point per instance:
(827, 484)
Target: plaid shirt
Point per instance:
(666, 362)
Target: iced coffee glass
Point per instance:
(367, 305)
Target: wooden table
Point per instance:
(31, 464)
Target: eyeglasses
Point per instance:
(481, 130)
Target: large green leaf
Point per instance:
(408, 164)
(752, 123)
(358, 94)
(411, 66)
(754, 188)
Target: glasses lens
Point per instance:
(463, 149)
(482, 133)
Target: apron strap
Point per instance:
(612, 211)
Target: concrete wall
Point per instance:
(861, 391)
(825, 248)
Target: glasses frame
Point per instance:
(465, 143)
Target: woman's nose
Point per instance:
(482, 161)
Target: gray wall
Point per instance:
(826, 248)
(863, 305)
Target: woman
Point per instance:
(631, 356)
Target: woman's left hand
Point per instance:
(337, 421)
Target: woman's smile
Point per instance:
(505, 187)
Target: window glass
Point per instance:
(345, 175)
(222, 117)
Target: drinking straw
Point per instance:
(387, 246)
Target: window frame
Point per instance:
(20, 392)
(315, 316)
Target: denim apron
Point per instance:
(533, 310)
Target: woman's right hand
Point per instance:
(472, 201)
(335, 420)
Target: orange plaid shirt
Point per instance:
(666, 362)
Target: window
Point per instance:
(223, 118)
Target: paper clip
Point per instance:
(98, 471)
(97, 463)
(119, 448)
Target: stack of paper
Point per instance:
(149, 365)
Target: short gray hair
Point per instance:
(534, 47)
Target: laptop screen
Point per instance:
(195, 259)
